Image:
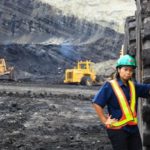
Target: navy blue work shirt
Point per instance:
(107, 97)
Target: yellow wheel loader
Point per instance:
(4, 70)
(83, 74)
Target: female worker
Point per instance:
(120, 95)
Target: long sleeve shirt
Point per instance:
(107, 97)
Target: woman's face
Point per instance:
(125, 72)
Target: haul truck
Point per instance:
(83, 73)
(5, 70)
(137, 44)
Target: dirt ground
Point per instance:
(63, 122)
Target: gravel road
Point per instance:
(63, 121)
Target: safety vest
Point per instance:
(129, 115)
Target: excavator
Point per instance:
(83, 73)
(5, 70)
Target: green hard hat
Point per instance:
(126, 60)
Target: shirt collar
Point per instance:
(120, 82)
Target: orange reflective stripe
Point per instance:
(128, 112)
(133, 102)
(132, 95)
(112, 127)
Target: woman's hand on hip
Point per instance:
(110, 120)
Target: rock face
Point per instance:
(106, 68)
(33, 22)
(49, 38)
(48, 62)
(104, 12)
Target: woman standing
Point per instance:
(120, 96)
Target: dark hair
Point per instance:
(116, 76)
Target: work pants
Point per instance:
(123, 140)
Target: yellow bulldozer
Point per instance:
(5, 70)
(83, 74)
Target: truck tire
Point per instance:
(146, 79)
(86, 81)
(143, 15)
(130, 36)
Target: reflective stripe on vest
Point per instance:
(128, 112)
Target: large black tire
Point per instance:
(130, 36)
(12, 76)
(86, 81)
(144, 48)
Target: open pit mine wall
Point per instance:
(137, 44)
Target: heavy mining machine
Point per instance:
(5, 70)
(137, 44)
(83, 74)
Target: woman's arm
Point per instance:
(106, 120)
(142, 90)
